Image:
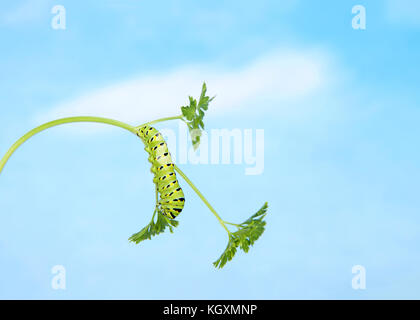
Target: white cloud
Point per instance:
(404, 12)
(281, 76)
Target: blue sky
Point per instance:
(339, 108)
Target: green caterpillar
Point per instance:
(172, 198)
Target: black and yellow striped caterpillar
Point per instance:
(172, 199)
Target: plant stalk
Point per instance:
(182, 174)
(54, 123)
(160, 120)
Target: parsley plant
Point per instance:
(193, 114)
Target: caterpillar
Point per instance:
(172, 199)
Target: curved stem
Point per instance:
(54, 123)
(182, 174)
(160, 120)
(233, 224)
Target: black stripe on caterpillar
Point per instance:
(172, 199)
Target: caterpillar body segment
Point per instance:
(172, 198)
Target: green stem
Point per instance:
(160, 120)
(153, 217)
(54, 123)
(233, 224)
(182, 174)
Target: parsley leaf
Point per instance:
(248, 232)
(154, 228)
(193, 115)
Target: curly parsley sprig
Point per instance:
(193, 115)
(154, 228)
(248, 232)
